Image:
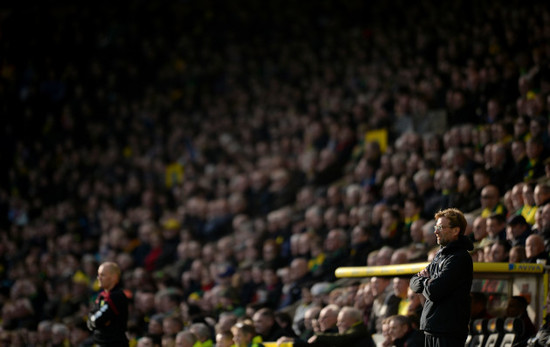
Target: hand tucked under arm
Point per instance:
(424, 273)
(417, 281)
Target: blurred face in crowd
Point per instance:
(528, 195)
(344, 322)
(240, 338)
(533, 245)
(479, 228)
(396, 329)
(498, 253)
(223, 340)
(494, 226)
(327, 319)
(145, 342)
(378, 285)
(489, 197)
(262, 323)
(400, 286)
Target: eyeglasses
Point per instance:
(441, 227)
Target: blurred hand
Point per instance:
(424, 273)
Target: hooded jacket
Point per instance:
(447, 290)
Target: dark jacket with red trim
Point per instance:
(109, 318)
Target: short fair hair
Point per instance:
(456, 218)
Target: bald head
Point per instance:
(534, 245)
(108, 275)
(328, 317)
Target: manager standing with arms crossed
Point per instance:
(109, 317)
(446, 283)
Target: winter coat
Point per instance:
(447, 290)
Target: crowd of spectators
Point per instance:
(229, 156)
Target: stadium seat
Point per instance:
(479, 335)
(513, 327)
(495, 328)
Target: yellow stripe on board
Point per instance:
(274, 344)
(411, 269)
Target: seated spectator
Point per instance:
(479, 229)
(284, 320)
(336, 253)
(299, 275)
(535, 251)
(516, 307)
(516, 195)
(519, 159)
(267, 327)
(154, 330)
(496, 228)
(60, 334)
(530, 207)
(327, 319)
(517, 254)
(203, 334)
(243, 334)
(411, 212)
(402, 333)
(361, 245)
(424, 184)
(466, 197)
(168, 340)
(224, 339)
(534, 149)
(326, 323)
(490, 202)
(542, 338)
(385, 303)
(541, 194)
(383, 255)
(400, 286)
(414, 305)
(391, 228)
(311, 314)
(351, 331)
(499, 166)
(500, 251)
(400, 256)
(418, 248)
(517, 230)
(478, 308)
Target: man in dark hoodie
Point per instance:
(446, 283)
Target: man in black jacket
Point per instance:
(109, 317)
(446, 283)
